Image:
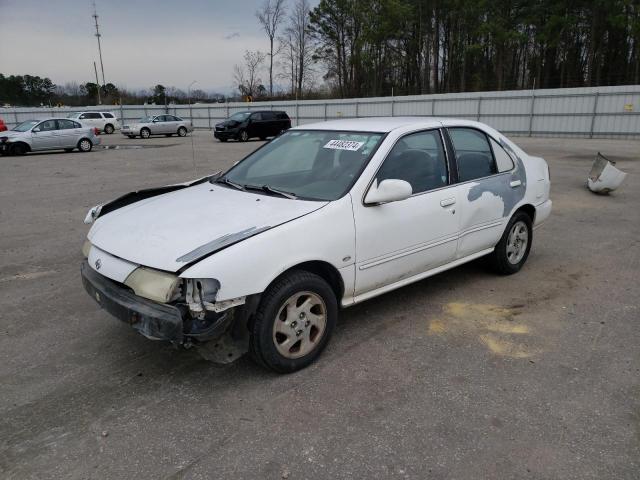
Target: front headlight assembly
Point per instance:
(153, 284)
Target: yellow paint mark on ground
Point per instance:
(492, 325)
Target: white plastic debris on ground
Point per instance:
(604, 177)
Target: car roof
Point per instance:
(374, 124)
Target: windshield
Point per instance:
(239, 117)
(311, 164)
(146, 120)
(24, 126)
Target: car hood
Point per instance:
(228, 123)
(173, 230)
(11, 134)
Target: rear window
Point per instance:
(282, 116)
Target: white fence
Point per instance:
(602, 112)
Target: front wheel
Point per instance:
(145, 133)
(244, 136)
(182, 132)
(108, 129)
(85, 145)
(294, 322)
(18, 149)
(513, 248)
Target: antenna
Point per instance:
(98, 35)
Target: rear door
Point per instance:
(485, 189)
(92, 119)
(256, 125)
(45, 136)
(69, 133)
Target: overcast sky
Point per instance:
(144, 42)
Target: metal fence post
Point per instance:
(121, 115)
(595, 112)
(357, 104)
(533, 103)
(297, 113)
(433, 107)
(325, 111)
(227, 110)
(209, 116)
(479, 107)
(393, 102)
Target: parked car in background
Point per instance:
(324, 216)
(242, 126)
(105, 122)
(3, 126)
(48, 134)
(158, 125)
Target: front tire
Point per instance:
(513, 248)
(108, 129)
(243, 136)
(294, 322)
(145, 133)
(182, 132)
(18, 149)
(85, 145)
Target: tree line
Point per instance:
(382, 47)
(29, 91)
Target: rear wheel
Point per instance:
(108, 129)
(145, 133)
(294, 322)
(18, 149)
(85, 145)
(182, 132)
(513, 248)
(243, 136)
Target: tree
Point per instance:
(270, 16)
(297, 45)
(246, 76)
(158, 95)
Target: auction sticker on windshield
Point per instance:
(344, 145)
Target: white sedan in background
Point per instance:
(158, 125)
(327, 215)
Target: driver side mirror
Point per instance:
(390, 190)
(155, 120)
(35, 129)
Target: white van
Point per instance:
(104, 121)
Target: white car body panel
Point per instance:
(374, 248)
(156, 232)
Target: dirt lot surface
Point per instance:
(466, 375)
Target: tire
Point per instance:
(85, 145)
(182, 132)
(288, 344)
(68, 150)
(108, 129)
(18, 149)
(243, 136)
(145, 133)
(512, 252)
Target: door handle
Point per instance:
(515, 183)
(445, 202)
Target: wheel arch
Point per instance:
(24, 144)
(528, 209)
(324, 270)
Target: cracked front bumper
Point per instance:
(156, 321)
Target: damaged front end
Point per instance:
(163, 306)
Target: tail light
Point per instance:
(96, 131)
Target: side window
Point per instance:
(473, 154)
(48, 125)
(256, 116)
(282, 116)
(67, 124)
(108, 115)
(177, 119)
(83, 116)
(419, 159)
(503, 159)
(159, 118)
(268, 116)
(93, 116)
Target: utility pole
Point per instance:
(95, 69)
(95, 19)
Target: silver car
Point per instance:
(158, 125)
(48, 134)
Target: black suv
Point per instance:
(245, 125)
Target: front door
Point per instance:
(45, 136)
(399, 240)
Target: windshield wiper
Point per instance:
(226, 181)
(268, 189)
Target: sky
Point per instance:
(144, 42)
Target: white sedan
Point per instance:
(262, 257)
